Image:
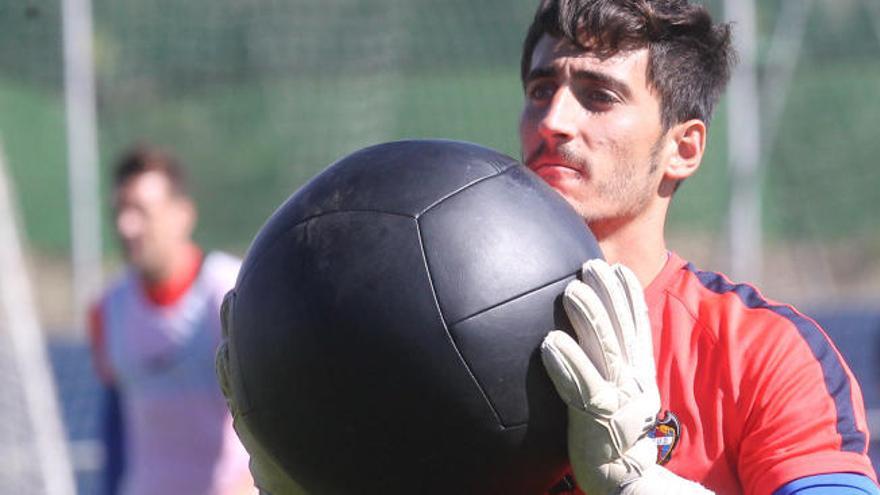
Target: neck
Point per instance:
(179, 261)
(637, 243)
(170, 287)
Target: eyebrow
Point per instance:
(540, 73)
(582, 75)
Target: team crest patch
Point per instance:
(665, 434)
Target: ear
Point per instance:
(686, 144)
(188, 214)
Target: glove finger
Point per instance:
(642, 343)
(221, 369)
(226, 314)
(602, 278)
(595, 332)
(221, 358)
(575, 378)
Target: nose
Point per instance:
(559, 120)
(129, 223)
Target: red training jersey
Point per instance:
(761, 394)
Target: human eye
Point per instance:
(541, 90)
(598, 100)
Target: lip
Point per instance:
(538, 165)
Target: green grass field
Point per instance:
(33, 134)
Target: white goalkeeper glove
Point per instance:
(268, 475)
(609, 384)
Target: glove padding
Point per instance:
(658, 480)
(268, 475)
(608, 381)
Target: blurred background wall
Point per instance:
(257, 96)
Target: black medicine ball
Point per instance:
(387, 321)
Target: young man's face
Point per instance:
(151, 221)
(591, 128)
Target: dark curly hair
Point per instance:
(689, 57)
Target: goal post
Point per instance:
(33, 445)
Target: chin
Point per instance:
(568, 191)
(140, 262)
(582, 209)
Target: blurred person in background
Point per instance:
(154, 332)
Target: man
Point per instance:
(756, 400)
(154, 334)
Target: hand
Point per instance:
(608, 381)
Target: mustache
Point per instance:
(565, 152)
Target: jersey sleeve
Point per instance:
(224, 268)
(111, 432)
(98, 341)
(113, 439)
(802, 409)
(830, 484)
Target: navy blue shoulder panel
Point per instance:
(830, 484)
(837, 380)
